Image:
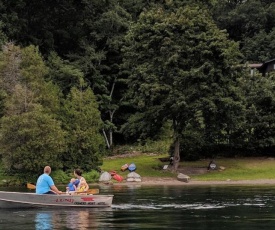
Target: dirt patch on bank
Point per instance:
(173, 181)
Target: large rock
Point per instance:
(133, 177)
(104, 177)
(183, 177)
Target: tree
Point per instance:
(82, 122)
(63, 73)
(29, 141)
(259, 48)
(181, 63)
(111, 28)
(25, 68)
(259, 129)
(10, 59)
(30, 135)
(239, 17)
(3, 37)
(99, 58)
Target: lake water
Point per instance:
(159, 207)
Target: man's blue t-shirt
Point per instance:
(44, 183)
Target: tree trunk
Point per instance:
(176, 158)
(111, 113)
(111, 138)
(106, 139)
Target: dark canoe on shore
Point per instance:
(32, 200)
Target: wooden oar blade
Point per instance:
(90, 191)
(31, 186)
(93, 191)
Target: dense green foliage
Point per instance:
(83, 125)
(30, 135)
(30, 141)
(98, 73)
(179, 74)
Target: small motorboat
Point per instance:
(29, 200)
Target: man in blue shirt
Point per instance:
(45, 184)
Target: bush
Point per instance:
(92, 176)
(61, 176)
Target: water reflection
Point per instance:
(80, 220)
(141, 207)
(72, 219)
(43, 221)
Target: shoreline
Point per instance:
(172, 181)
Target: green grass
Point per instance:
(235, 169)
(147, 165)
(241, 169)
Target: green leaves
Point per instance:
(83, 124)
(260, 108)
(63, 73)
(36, 128)
(176, 56)
(30, 141)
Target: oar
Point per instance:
(89, 191)
(30, 186)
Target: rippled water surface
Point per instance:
(159, 207)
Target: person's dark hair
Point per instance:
(78, 172)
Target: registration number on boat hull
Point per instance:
(89, 203)
(84, 203)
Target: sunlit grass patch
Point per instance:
(241, 169)
(147, 164)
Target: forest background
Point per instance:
(81, 78)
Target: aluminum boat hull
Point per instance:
(29, 200)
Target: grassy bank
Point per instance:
(149, 165)
(241, 169)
